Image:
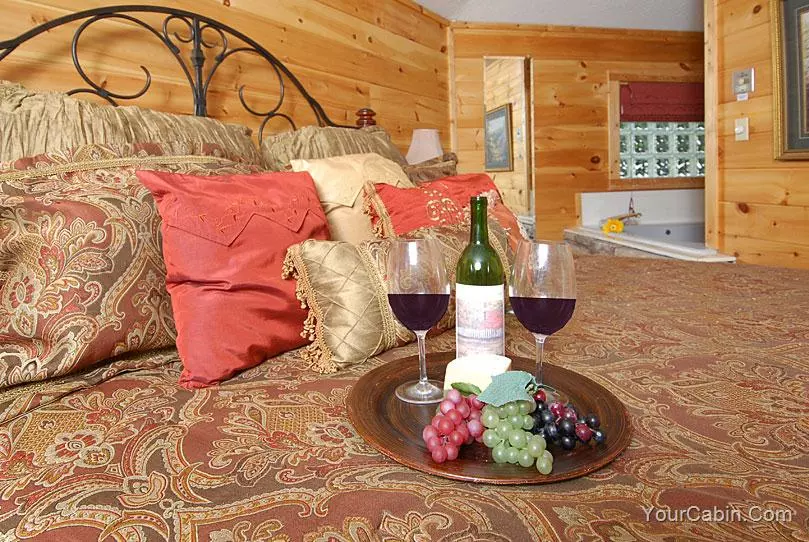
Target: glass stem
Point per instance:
(422, 356)
(540, 340)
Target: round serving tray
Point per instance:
(394, 427)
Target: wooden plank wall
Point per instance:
(390, 56)
(571, 71)
(763, 204)
(505, 83)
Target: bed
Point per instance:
(710, 360)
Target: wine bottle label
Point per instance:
(479, 320)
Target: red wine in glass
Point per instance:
(418, 293)
(545, 315)
(542, 290)
(418, 311)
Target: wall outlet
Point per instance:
(742, 129)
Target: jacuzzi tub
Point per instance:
(690, 234)
(682, 241)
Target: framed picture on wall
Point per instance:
(497, 139)
(790, 21)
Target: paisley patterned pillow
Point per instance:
(82, 277)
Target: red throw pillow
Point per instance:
(224, 242)
(397, 211)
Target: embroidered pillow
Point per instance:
(81, 274)
(340, 180)
(396, 211)
(343, 287)
(224, 242)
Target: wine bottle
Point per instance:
(479, 291)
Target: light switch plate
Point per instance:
(742, 129)
(744, 82)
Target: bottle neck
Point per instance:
(479, 232)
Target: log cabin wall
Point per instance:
(762, 204)
(506, 83)
(571, 71)
(390, 56)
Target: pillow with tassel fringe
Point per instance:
(342, 285)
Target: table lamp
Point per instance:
(426, 144)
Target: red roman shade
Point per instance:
(662, 102)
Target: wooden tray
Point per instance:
(394, 427)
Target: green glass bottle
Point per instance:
(479, 291)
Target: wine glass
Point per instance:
(418, 293)
(543, 291)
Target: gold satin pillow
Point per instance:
(340, 180)
(34, 123)
(312, 142)
(343, 287)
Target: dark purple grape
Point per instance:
(592, 421)
(568, 443)
(547, 416)
(567, 428)
(551, 431)
(538, 423)
(599, 437)
(541, 405)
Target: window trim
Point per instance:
(614, 109)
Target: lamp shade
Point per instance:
(426, 144)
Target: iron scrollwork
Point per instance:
(198, 70)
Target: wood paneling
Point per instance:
(571, 71)
(390, 56)
(762, 203)
(505, 82)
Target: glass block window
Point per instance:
(662, 149)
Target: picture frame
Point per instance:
(790, 50)
(497, 138)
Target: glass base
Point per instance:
(418, 393)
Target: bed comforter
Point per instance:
(711, 361)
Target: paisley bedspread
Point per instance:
(711, 361)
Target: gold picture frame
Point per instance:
(497, 143)
(790, 52)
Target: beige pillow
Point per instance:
(34, 123)
(343, 287)
(312, 142)
(339, 181)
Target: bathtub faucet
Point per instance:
(624, 217)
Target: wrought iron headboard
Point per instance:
(198, 73)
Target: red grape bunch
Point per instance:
(456, 423)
